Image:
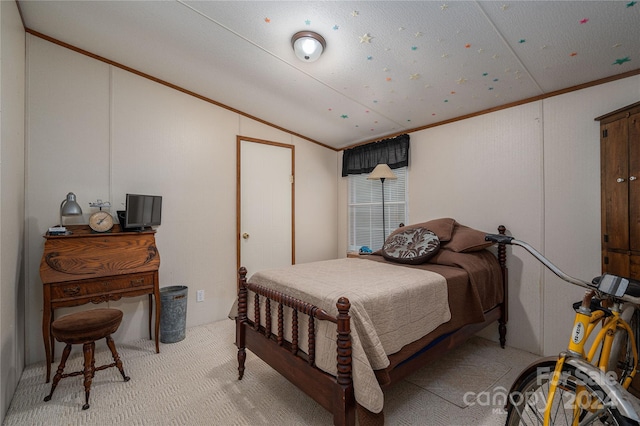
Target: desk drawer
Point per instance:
(76, 289)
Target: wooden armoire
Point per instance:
(620, 186)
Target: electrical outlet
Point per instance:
(200, 296)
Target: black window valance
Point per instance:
(364, 158)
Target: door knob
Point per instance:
(632, 178)
(620, 180)
(245, 236)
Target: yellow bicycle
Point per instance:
(580, 386)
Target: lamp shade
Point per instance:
(307, 45)
(69, 207)
(382, 171)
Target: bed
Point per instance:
(344, 330)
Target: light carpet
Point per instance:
(474, 364)
(195, 382)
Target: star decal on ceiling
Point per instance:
(267, 20)
(461, 80)
(418, 34)
(355, 13)
(584, 21)
(344, 116)
(504, 7)
(631, 3)
(414, 76)
(365, 38)
(414, 47)
(572, 54)
(336, 27)
(467, 46)
(444, 7)
(307, 22)
(621, 61)
(616, 45)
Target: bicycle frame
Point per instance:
(584, 324)
(604, 339)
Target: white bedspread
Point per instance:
(391, 306)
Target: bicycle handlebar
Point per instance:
(504, 239)
(498, 238)
(609, 286)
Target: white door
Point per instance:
(265, 204)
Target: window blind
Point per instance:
(365, 208)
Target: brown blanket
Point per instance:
(474, 282)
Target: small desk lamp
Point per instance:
(69, 207)
(382, 172)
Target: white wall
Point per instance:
(536, 169)
(12, 98)
(101, 132)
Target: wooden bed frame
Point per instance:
(335, 393)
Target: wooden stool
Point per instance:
(85, 328)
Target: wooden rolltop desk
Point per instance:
(85, 267)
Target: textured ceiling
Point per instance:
(389, 66)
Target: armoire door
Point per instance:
(620, 196)
(265, 201)
(633, 130)
(615, 184)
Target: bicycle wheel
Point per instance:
(591, 406)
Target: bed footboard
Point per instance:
(334, 393)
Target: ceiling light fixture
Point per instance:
(307, 45)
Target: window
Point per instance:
(365, 208)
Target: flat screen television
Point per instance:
(142, 211)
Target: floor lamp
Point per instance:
(382, 172)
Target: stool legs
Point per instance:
(89, 370)
(58, 376)
(116, 357)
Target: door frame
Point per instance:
(239, 140)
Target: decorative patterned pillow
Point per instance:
(411, 246)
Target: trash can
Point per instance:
(173, 313)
